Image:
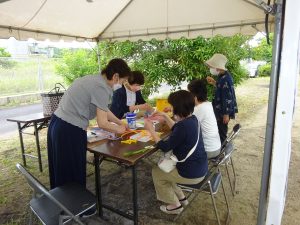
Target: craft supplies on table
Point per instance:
(97, 134)
(127, 154)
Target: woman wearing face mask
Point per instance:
(182, 139)
(87, 98)
(128, 97)
(224, 101)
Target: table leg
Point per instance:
(135, 196)
(22, 143)
(37, 142)
(98, 185)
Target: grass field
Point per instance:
(28, 75)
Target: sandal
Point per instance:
(184, 201)
(174, 211)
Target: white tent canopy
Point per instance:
(126, 19)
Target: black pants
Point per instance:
(223, 129)
(66, 153)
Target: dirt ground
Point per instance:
(116, 182)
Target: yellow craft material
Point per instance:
(161, 104)
(143, 133)
(129, 141)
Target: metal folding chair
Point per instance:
(210, 185)
(227, 149)
(60, 205)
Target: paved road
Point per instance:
(10, 128)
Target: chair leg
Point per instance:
(228, 175)
(30, 217)
(194, 195)
(234, 175)
(226, 201)
(214, 202)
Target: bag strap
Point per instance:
(56, 88)
(191, 151)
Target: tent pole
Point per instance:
(98, 56)
(276, 55)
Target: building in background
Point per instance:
(24, 49)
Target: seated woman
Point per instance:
(206, 117)
(182, 139)
(128, 97)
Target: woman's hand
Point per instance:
(226, 119)
(145, 107)
(211, 80)
(148, 107)
(148, 125)
(121, 129)
(102, 120)
(167, 109)
(160, 116)
(158, 113)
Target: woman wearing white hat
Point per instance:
(224, 102)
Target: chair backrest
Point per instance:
(42, 190)
(235, 130)
(227, 146)
(35, 185)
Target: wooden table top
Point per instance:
(114, 149)
(36, 117)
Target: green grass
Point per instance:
(23, 76)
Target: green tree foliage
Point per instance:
(77, 63)
(265, 70)
(5, 62)
(175, 61)
(4, 53)
(263, 51)
(170, 61)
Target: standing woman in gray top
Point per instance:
(88, 97)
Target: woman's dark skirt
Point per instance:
(66, 153)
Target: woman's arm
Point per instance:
(140, 103)
(111, 117)
(102, 120)
(149, 126)
(144, 107)
(176, 137)
(211, 80)
(165, 117)
(169, 120)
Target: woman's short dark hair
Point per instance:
(116, 66)
(136, 78)
(198, 89)
(183, 103)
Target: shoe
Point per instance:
(92, 211)
(175, 211)
(184, 201)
